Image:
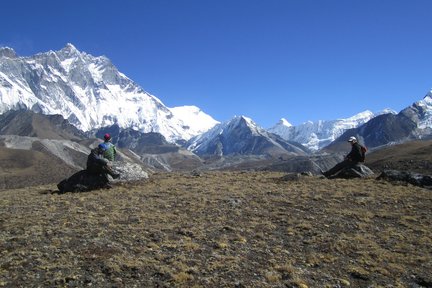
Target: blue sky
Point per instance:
(265, 59)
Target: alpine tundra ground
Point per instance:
(219, 229)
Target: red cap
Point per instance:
(107, 136)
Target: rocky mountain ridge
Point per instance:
(90, 93)
(316, 135)
(413, 122)
(241, 135)
(87, 89)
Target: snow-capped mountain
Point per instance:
(413, 122)
(91, 93)
(316, 135)
(421, 112)
(242, 136)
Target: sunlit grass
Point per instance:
(223, 229)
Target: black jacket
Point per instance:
(356, 154)
(95, 161)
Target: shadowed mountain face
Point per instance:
(28, 123)
(386, 128)
(414, 122)
(379, 131)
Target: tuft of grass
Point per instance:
(272, 276)
(182, 277)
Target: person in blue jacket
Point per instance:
(110, 152)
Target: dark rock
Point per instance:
(407, 177)
(356, 171)
(82, 181)
(306, 173)
(196, 173)
(424, 281)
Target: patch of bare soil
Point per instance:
(219, 229)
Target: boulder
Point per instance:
(356, 171)
(407, 177)
(129, 171)
(83, 181)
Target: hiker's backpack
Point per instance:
(363, 153)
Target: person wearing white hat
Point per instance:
(352, 159)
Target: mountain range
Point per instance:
(413, 122)
(92, 95)
(316, 135)
(242, 135)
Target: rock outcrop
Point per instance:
(356, 171)
(415, 179)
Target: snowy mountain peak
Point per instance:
(362, 115)
(423, 111)
(284, 122)
(245, 123)
(316, 135)
(239, 136)
(194, 118)
(386, 111)
(428, 96)
(7, 52)
(238, 120)
(91, 93)
(426, 102)
(70, 50)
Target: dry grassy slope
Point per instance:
(21, 168)
(223, 229)
(413, 156)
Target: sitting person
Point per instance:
(94, 177)
(97, 164)
(352, 159)
(110, 152)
